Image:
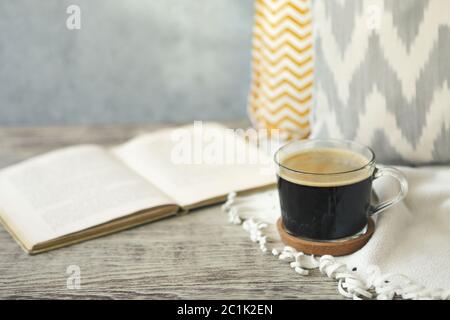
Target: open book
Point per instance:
(86, 191)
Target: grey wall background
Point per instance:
(132, 61)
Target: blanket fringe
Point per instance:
(350, 283)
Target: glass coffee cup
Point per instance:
(325, 188)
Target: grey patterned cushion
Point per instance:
(382, 76)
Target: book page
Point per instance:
(192, 166)
(70, 190)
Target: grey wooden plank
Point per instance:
(195, 256)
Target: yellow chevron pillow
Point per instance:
(282, 67)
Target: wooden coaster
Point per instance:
(335, 248)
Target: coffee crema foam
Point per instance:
(325, 167)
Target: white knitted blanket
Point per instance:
(408, 255)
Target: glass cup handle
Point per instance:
(403, 183)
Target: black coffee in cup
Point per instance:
(325, 193)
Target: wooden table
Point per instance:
(196, 256)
